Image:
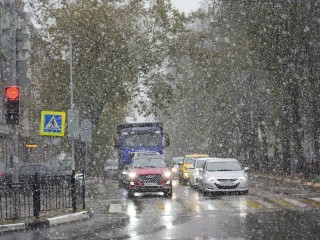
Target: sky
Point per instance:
(186, 5)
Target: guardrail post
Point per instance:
(73, 191)
(36, 196)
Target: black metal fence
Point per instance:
(29, 199)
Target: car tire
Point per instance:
(205, 193)
(130, 194)
(245, 192)
(180, 179)
(168, 193)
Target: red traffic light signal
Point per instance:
(12, 93)
(12, 97)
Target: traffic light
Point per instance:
(12, 97)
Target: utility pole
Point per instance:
(73, 113)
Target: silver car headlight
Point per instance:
(243, 178)
(210, 179)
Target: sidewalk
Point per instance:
(78, 216)
(55, 217)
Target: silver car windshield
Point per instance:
(200, 163)
(223, 166)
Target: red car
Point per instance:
(149, 174)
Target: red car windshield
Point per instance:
(149, 163)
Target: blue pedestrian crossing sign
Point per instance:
(52, 123)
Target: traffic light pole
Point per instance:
(15, 158)
(71, 103)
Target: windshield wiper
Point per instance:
(222, 170)
(150, 166)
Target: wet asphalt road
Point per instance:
(268, 212)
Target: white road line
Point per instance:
(295, 202)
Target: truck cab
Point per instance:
(139, 137)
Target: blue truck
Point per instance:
(139, 137)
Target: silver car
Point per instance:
(223, 175)
(195, 172)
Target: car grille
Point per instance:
(227, 187)
(150, 178)
(225, 180)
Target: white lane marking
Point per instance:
(295, 202)
(115, 208)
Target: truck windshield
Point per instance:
(149, 163)
(145, 140)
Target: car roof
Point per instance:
(221, 160)
(151, 157)
(196, 155)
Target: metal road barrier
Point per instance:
(30, 198)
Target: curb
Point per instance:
(73, 217)
(78, 216)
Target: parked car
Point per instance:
(194, 174)
(27, 171)
(149, 174)
(223, 175)
(111, 168)
(4, 176)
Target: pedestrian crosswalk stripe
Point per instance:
(295, 202)
(265, 203)
(253, 204)
(207, 206)
(282, 203)
(221, 204)
(311, 201)
(316, 199)
(239, 204)
(115, 208)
